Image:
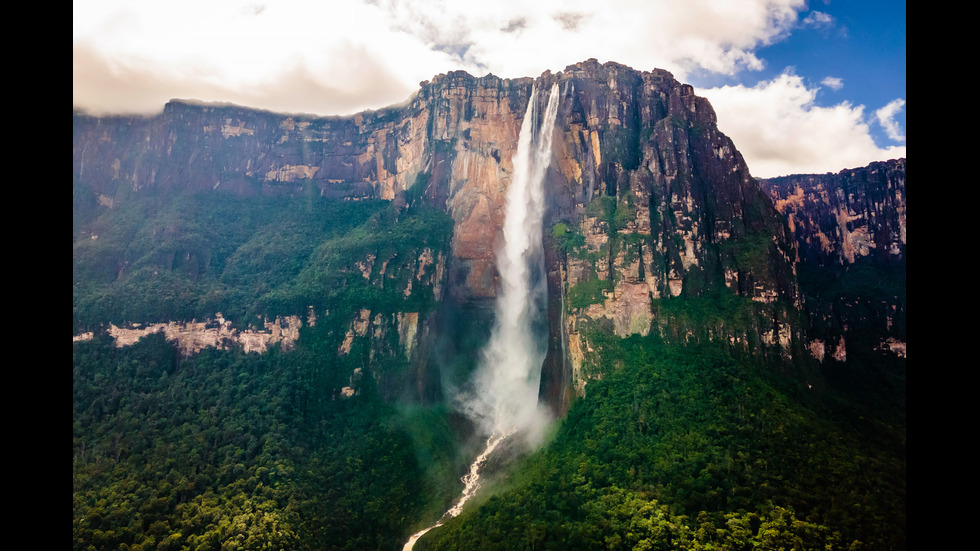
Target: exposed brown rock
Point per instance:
(192, 337)
(838, 218)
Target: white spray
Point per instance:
(505, 394)
(507, 381)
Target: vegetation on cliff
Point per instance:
(197, 254)
(228, 450)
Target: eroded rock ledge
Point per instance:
(192, 337)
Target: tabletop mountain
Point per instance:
(301, 299)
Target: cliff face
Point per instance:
(642, 138)
(840, 218)
(456, 138)
(850, 229)
(647, 200)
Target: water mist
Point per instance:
(504, 398)
(505, 393)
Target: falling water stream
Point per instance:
(505, 397)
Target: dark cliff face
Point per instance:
(850, 229)
(840, 218)
(653, 145)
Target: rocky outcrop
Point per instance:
(850, 229)
(650, 202)
(192, 337)
(839, 218)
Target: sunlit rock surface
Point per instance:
(192, 337)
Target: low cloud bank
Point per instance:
(779, 128)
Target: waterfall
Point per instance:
(507, 382)
(504, 400)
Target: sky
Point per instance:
(801, 87)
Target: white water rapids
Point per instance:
(505, 395)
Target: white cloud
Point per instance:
(343, 57)
(241, 50)
(818, 19)
(287, 55)
(779, 129)
(886, 118)
(833, 83)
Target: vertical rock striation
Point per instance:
(840, 218)
(640, 138)
(850, 229)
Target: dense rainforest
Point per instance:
(696, 445)
(230, 450)
(701, 447)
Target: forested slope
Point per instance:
(226, 449)
(701, 446)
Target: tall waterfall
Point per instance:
(507, 382)
(504, 400)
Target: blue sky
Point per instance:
(862, 44)
(800, 87)
(851, 56)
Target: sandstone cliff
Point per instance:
(649, 204)
(850, 229)
(839, 218)
(639, 137)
